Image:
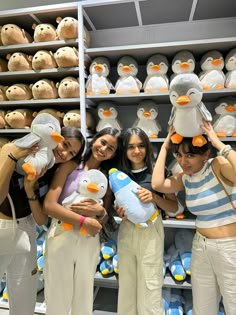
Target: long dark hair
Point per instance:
(149, 158)
(113, 162)
(74, 133)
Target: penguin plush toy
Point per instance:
(46, 132)
(230, 65)
(188, 111)
(224, 122)
(156, 80)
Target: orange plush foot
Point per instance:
(206, 87)
(163, 90)
(176, 138)
(221, 134)
(153, 136)
(199, 141)
(30, 170)
(83, 231)
(220, 86)
(67, 226)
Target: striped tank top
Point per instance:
(206, 199)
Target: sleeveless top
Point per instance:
(206, 199)
(71, 182)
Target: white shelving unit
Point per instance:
(138, 28)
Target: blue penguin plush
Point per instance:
(125, 191)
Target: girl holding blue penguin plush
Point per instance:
(140, 249)
(210, 187)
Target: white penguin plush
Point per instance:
(107, 113)
(98, 82)
(230, 65)
(224, 122)
(147, 112)
(156, 80)
(92, 185)
(212, 76)
(183, 62)
(125, 191)
(127, 82)
(45, 131)
(188, 110)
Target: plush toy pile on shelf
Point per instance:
(108, 259)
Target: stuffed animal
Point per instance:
(72, 119)
(92, 185)
(188, 302)
(97, 82)
(44, 32)
(188, 110)
(19, 118)
(52, 111)
(68, 29)
(147, 112)
(183, 62)
(183, 244)
(44, 89)
(174, 264)
(68, 88)
(115, 263)
(127, 83)
(12, 34)
(230, 65)
(212, 76)
(125, 191)
(67, 57)
(19, 62)
(3, 123)
(3, 65)
(43, 59)
(108, 249)
(176, 303)
(107, 113)
(224, 122)
(106, 267)
(19, 92)
(156, 80)
(45, 131)
(3, 96)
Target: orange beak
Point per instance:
(57, 137)
(93, 188)
(183, 100)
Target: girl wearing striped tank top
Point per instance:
(213, 266)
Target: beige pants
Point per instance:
(21, 268)
(70, 265)
(213, 273)
(140, 252)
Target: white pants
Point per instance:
(70, 264)
(21, 268)
(140, 252)
(213, 273)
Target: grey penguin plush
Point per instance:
(230, 65)
(183, 62)
(188, 111)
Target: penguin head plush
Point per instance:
(107, 110)
(212, 60)
(185, 90)
(147, 109)
(157, 64)
(92, 184)
(230, 60)
(100, 66)
(127, 66)
(183, 62)
(226, 106)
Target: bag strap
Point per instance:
(222, 185)
(13, 212)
